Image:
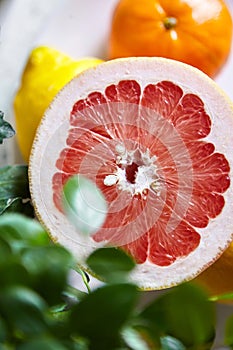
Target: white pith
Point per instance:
(214, 238)
(146, 177)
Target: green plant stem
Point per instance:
(84, 277)
(227, 296)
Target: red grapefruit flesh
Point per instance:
(155, 137)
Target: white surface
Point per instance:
(21, 22)
(80, 28)
(77, 27)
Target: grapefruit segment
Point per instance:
(150, 133)
(167, 99)
(162, 97)
(204, 206)
(165, 249)
(216, 165)
(139, 248)
(125, 91)
(58, 180)
(200, 150)
(191, 109)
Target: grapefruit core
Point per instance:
(155, 136)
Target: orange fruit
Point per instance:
(155, 136)
(192, 31)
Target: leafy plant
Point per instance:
(6, 129)
(14, 190)
(39, 307)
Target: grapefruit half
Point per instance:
(155, 135)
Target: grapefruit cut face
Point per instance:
(155, 136)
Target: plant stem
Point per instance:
(84, 277)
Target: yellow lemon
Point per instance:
(46, 72)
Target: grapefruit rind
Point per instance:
(51, 139)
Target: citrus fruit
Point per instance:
(217, 279)
(155, 137)
(192, 31)
(46, 72)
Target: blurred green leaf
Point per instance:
(5, 250)
(14, 189)
(72, 295)
(42, 344)
(170, 343)
(101, 314)
(13, 273)
(15, 226)
(49, 267)
(110, 264)
(150, 336)
(23, 310)
(135, 340)
(3, 330)
(84, 204)
(184, 313)
(6, 129)
(229, 332)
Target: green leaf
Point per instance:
(72, 295)
(5, 251)
(101, 314)
(6, 129)
(84, 204)
(135, 340)
(110, 264)
(184, 313)
(3, 330)
(150, 336)
(23, 310)
(170, 343)
(49, 268)
(14, 185)
(14, 226)
(13, 273)
(229, 332)
(42, 344)
(17, 205)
